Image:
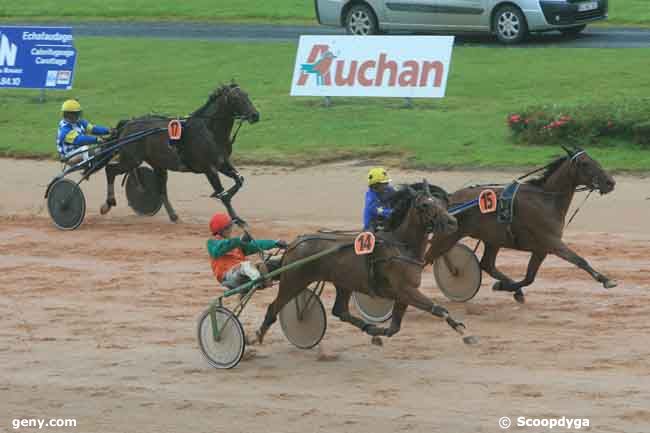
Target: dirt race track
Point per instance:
(99, 324)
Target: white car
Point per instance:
(510, 20)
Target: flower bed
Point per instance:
(584, 124)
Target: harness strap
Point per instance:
(402, 258)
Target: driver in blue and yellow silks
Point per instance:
(75, 132)
(376, 209)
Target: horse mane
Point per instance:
(550, 169)
(402, 200)
(152, 116)
(216, 93)
(434, 190)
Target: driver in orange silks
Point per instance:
(228, 254)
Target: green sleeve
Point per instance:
(219, 247)
(258, 245)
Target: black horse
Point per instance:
(205, 146)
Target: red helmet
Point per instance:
(219, 222)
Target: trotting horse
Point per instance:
(540, 210)
(398, 263)
(205, 146)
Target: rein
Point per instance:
(572, 160)
(578, 208)
(537, 170)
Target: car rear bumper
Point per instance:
(562, 14)
(328, 12)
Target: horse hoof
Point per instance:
(105, 208)
(519, 297)
(259, 337)
(377, 341)
(250, 340)
(326, 356)
(173, 218)
(470, 340)
(610, 284)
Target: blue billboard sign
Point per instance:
(37, 57)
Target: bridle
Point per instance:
(238, 118)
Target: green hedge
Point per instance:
(587, 124)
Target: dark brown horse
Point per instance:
(397, 265)
(540, 210)
(205, 145)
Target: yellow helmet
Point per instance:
(377, 175)
(71, 105)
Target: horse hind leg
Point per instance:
(341, 310)
(161, 173)
(535, 262)
(488, 264)
(286, 292)
(112, 170)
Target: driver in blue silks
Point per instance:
(75, 132)
(376, 209)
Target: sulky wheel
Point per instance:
(303, 320)
(66, 204)
(226, 349)
(458, 273)
(143, 191)
(373, 309)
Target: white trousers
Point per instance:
(241, 274)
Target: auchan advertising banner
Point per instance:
(382, 66)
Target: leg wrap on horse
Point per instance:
(439, 311)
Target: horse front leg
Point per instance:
(535, 262)
(112, 170)
(213, 177)
(229, 170)
(162, 178)
(412, 296)
(563, 251)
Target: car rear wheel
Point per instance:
(361, 21)
(573, 31)
(510, 25)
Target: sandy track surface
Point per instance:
(99, 324)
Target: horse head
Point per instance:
(589, 172)
(414, 205)
(432, 212)
(237, 102)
